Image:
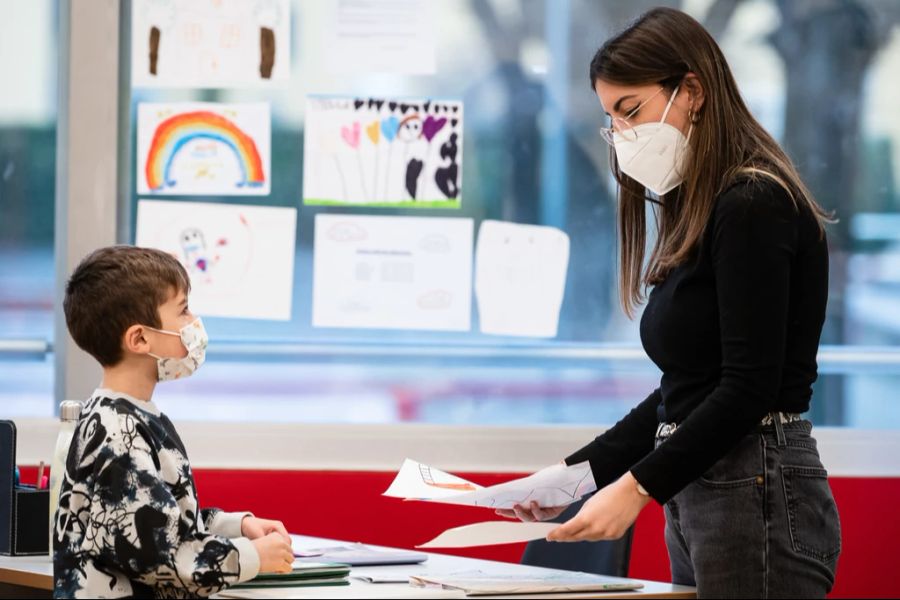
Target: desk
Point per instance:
(32, 577)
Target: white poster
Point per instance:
(379, 152)
(203, 148)
(381, 36)
(520, 278)
(240, 258)
(209, 43)
(392, 272)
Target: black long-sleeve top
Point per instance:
(735, 331)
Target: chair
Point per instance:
(600, 558)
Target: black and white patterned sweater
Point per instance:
(128, 522)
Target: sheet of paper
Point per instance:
(557, 485)
(211, 44)
(381, 36)
(520, 278)
(203, 148)
(477, 583)
(490, 533)
(392, 272)
(240, 258)
(382, 578)
(381, 152)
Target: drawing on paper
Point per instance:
(239, 258)
(383, 153)
(428, 479)
(557, 485)
(203, 148)
(202, 43)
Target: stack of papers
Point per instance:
(479, 583)
(558, 485)
(359, 555)
(303, 574)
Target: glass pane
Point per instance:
(28, 69)
(532, 155)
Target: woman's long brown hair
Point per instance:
(727, 143)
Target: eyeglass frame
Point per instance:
(607, 133)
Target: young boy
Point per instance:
(128, 522)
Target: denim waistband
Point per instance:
(664, 430)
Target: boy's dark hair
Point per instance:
(114, 288)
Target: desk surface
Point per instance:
(37, 572)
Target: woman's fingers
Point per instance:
(570, 531)
(523, 514)
(505, 512)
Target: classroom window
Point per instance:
(28, 68)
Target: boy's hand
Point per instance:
(254, 528)
(275, 554)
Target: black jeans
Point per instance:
(761, 523)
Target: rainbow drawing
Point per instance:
(176, 131)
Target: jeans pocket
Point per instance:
(812, 513)
(742, 467)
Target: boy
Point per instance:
(128, 522)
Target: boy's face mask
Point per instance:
(195, 340)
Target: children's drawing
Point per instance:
(239, 258)
(209, 43)
(379, 36)
(383, 153)
(203, 148)
(381, 272)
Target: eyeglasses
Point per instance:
(621, 125)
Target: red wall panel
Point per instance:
(349, 505)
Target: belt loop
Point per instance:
(779, 430)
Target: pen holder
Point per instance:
(24, 510)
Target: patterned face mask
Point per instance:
(195, 340)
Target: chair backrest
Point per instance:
(601, 558)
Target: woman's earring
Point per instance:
(694, 117)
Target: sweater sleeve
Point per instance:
(619, 447)
(753, 245)
(226, 524)
(138, 528)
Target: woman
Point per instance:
(739, 277)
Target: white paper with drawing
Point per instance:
(392, 272)
(240, 258)
(212, 44)
(520, 278)
(381, 36)
(203, 148)
(380, 152)
(557, 485)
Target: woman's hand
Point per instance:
(606, 516)
(253, 528)
(531, 513)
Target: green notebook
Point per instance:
(302, 575)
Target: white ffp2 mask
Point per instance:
(656, 157)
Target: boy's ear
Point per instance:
(135, 340)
